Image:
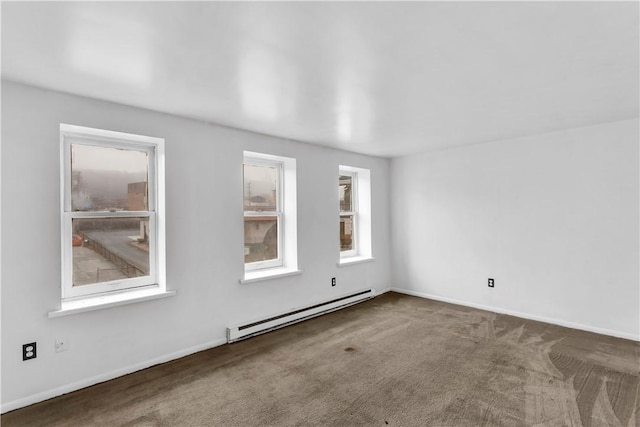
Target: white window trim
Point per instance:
(361, 200)
(288, 225)
(269, 274)
(112, 299)
(155, 282)
(354, 260)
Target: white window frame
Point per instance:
(278, 213)
(353, 213)
(361, 205)
(154, 147)
(288, 217)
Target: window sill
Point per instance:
(354, 260)
(268, 274)
(106, 301)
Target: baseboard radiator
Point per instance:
(250, 329)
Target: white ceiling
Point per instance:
(379, 78)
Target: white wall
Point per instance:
(204, 243)
(552, 218)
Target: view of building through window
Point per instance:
(261, 207)
(112, 180)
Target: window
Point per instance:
(354, 190)
(348, 213)
(270, 215)
(112, 199)
(262, 214)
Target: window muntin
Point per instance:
(263, 213)
(348, 213)
(110, 215)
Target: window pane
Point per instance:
(260, 184)
(105, 179)
(346, 232)
(345, 193)
(260, 238)
(108, 249)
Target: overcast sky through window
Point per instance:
(85, 157)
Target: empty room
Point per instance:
(320, 213)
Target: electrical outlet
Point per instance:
(333, 281)
(491, 283)
(29, 351)
(62, 344)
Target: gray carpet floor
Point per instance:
(393, 360)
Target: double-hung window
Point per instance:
(270, 216)
(112, 200)
(354, 193)
(348, 213)
(263, 214)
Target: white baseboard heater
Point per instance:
(249, 329)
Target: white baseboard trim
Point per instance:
(68, 388)
(544, 319)
(384, 290)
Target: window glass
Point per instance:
(107, 249)
(108, 179)
(346, 184)
(260, 187)
(346, 233)
(260, 238)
